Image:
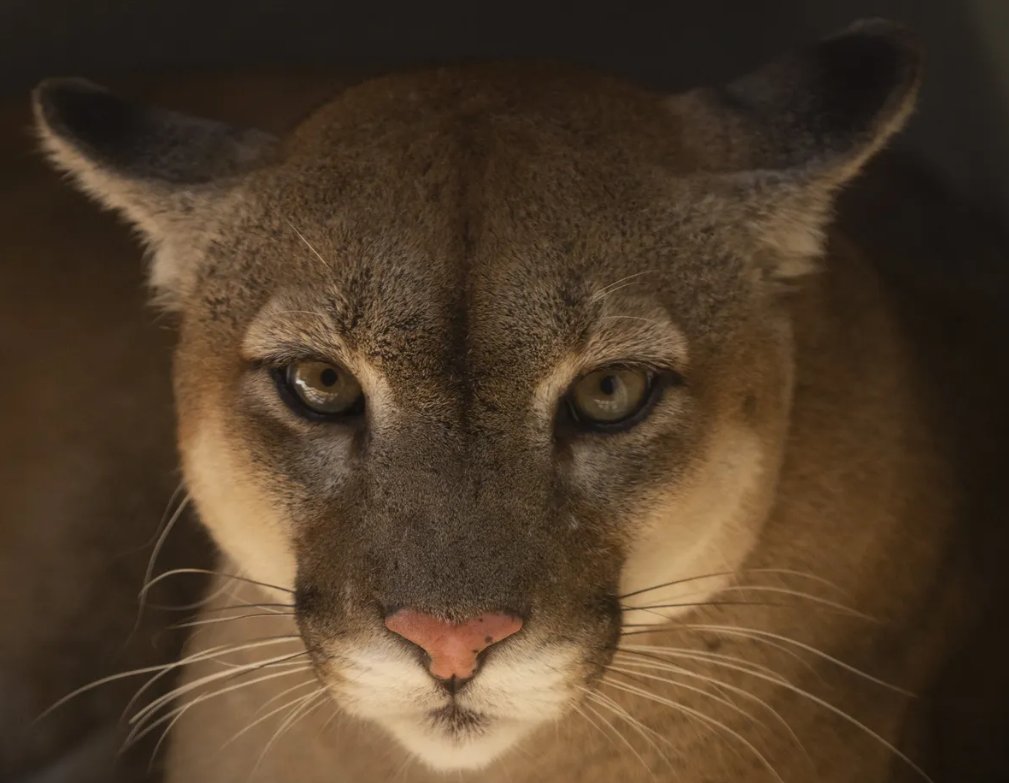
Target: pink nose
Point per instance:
(453, 647)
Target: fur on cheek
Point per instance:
(243, 521)
(708, 527)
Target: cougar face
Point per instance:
(476, 354)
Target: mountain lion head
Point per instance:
(474, 355)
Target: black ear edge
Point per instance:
(839, 98)
(87, 117)
(138, 141)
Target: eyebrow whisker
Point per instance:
(308, 244)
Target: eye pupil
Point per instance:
(317, 388)
(611, 397)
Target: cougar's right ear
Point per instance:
(788, 135)
(163, 170)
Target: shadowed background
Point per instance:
(961, 125)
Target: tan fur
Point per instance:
(462, 239)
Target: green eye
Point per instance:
(322, 389)
(610, 396)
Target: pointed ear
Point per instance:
(786, 137)
(158, 168)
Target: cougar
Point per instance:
(553, 429)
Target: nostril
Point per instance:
(453, 648)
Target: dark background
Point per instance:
(962, 126)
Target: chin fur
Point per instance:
(448, 740)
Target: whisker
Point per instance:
(308, 681)
(742, 692)
(717, 574)
(577, 708)
(299, 712)
(615, 286)
(684, 604)
(174, 693)
(207, 571)
(213, 620)
(707, 719)
(783, 591)
(308, 244)
(142, 727)
(692, 688)
(756, 633)
(836, 711)
(272, 607)
(152, 561)
(766, 642)
(644, 731)
(222, 649)
(646, 651)
(207, 599)
(287, 691)
(621, 737)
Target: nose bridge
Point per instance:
(457, 527)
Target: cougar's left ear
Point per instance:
(165, 171)
(786, 137)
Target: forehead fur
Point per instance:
(512, 206)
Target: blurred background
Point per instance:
(87, 464)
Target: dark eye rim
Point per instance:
(292, 399)
(658, 381)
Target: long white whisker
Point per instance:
(209, 598)
(615, 286)
(311, 680)
(142, 728)
(577, 708)
(308, 244)
(642, 649)
(777, 590)
(692, 688)
(297, 713)
(210, 654)
(153, 705)
(756, 632)
(720, 574)
(213, 620)
(644, 731)
(743, 693)
(836, 711)
(222, 649)
(659, 649)
(621, 737)
(152, 561)
(699, 716)
(266, 716)
(207, 571)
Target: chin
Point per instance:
(455, 739)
